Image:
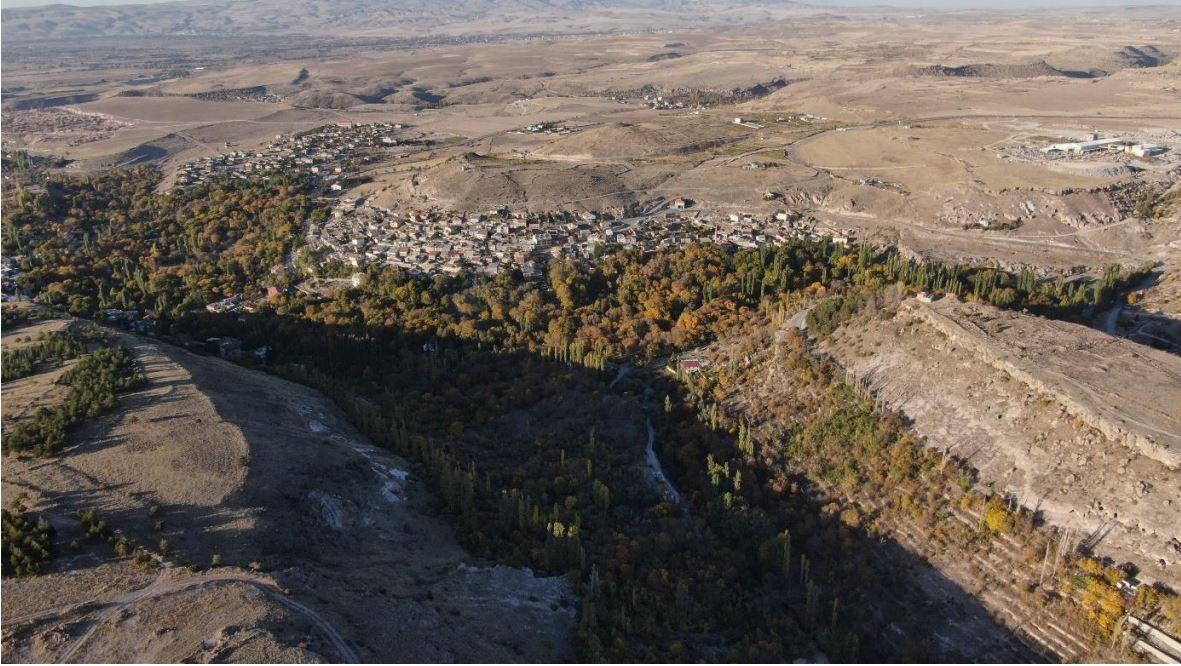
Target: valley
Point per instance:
(614, 332)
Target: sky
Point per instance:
(847, 3)
(79, 3)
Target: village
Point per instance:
(359, 235)
(327, 152)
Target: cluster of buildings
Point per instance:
(1094, 144)
(240, 303)
(233, 349)
(663, 103)
(805, 118)
(324, 152)
(359, 235)
(546, 128)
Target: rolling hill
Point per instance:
(402, 17)
(325, 547)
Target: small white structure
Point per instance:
(738, 120)
(1145, 149)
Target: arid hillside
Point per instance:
(929, 135)
(1080, 426)
(325, 547)
(1094, 495)
(219, 17)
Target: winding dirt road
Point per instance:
(166, 583)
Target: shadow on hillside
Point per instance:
(1153, 329)
(897, 604)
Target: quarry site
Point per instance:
(487, 138)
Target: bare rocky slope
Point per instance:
(328, 545)
(981, 597)
(1076, 424)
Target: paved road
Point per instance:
(978, 240)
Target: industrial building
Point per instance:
(1080, 147)
(1096, 144)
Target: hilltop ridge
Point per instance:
(327, 547)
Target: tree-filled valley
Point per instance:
(527, 405)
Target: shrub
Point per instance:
(26, 545)
(998, 519)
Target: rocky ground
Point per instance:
(980, 597)
(1076, 424)
(329, 547)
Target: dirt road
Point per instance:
(164, 584)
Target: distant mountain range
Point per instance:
(354, 17)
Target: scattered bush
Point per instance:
(27, 545)
(94, 382)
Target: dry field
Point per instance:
(896, 153)
(265, 475)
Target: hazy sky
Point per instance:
(897, 3)
(78, 3)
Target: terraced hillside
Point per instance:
(954, 542)
(1077, 425)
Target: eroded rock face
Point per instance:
(1077, 424)
(1126, 391)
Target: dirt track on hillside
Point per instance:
(262, 473)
